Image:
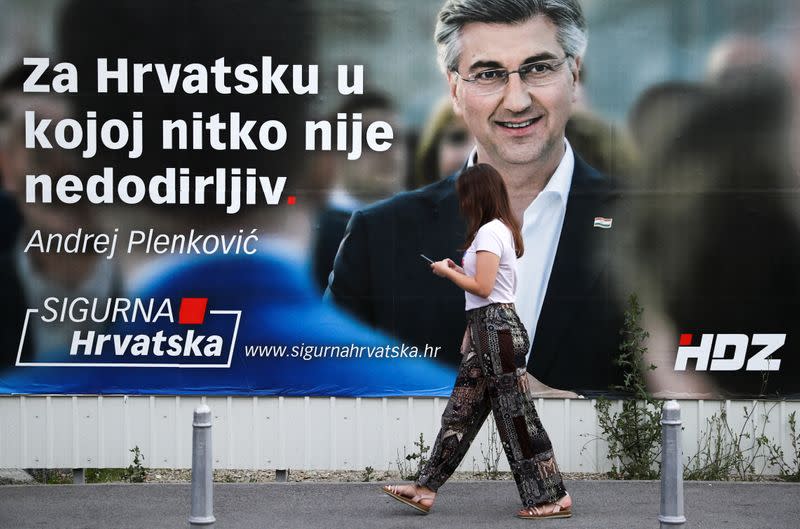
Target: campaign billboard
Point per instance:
(239, 198)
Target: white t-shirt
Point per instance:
(495, 237)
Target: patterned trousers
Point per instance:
(487, 381)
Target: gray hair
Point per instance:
(567, 15)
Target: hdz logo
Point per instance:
(132, 332)
(721, 343)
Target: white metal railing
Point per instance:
(302, 433)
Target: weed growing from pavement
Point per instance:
(744, 453)
(491, 456)
(368, 475)
(136, 473)
(787, 471)
(633, 435)
(410, 465)
(729, 453)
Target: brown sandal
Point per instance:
(551, 510)
(414, 501)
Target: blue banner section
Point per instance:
(233, 325)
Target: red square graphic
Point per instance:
(686, 339)
(292, 200)
(193, 311)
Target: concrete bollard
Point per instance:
(202, 514)
(671, 467)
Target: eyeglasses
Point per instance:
(539, 73)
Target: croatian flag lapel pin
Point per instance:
(602, 222)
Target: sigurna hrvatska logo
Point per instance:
(133, 332)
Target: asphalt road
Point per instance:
(485, 504)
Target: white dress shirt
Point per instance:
(541, 231)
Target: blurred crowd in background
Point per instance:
(708, 152)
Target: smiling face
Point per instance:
(519, 125)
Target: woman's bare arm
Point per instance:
(486, 266)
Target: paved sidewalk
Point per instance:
(484, 504)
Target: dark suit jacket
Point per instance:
(380, 277)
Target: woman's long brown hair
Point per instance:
(482, 197)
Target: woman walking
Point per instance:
(492, 374)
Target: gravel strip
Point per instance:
(164, 475)
(169, 475)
